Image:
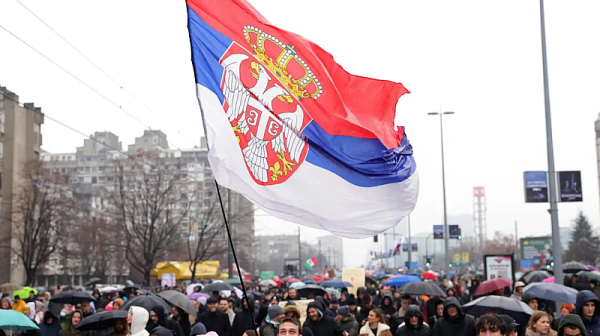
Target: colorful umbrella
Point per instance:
(195, 296)
(297, 284)
(548, 280)
(399, 281)
(429, 275)
(493, 285)
(13, 320)
(235, 281)
(24, 293)
(337, 283)
(595, 275)
(10, 287)
(552, 292)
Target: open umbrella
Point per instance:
(547, 280)
(309, 281)
(233, 281)
(72, 297)
(370, 281)
(317, 278)
(292, 280)
(422, 288)
(131, 290)
(268, 282)
(400, 280)
(552, 292)
(574, 267)
(297, 284)
(109, 289)
(9, 287)
(217, 287)
(595, 275)
(304, 291)
(378, 275)
(196, 296)
(24, 292)
(536, 276)
(102, 320)
(337, 283)
(492, 285)
(429, 275)
(178, 299)
(13, 320)
(147, 302)
(514, 308)
(93, 281)
(190, 288)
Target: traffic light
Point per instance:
(450, 265)
(457, 264)
(382, 265)
(428, 262)
(375, 239)
(459, 234)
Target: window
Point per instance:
(94, 180)
(87, 169)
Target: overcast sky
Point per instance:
(480, 59)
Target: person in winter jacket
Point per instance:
(50, 326)
(347, 321)
(455, 322)
(158, 319)
(198, 329)
(531, 300)
(161, 331)
(120, 328)
(571, 325)
(367, 305)
(438, 312)
(71, 330)
(137, 319)
(398, 318)
(375, 325)
(319, 323)
(325, 309)
(387, 307)
(354, 308)
(183, 319)
(587, 307)
(18, 305)
(512, 327)
(539, 325)
(290, 310)
(492, 325)
(518, 292)
(243, 319)
(5, 304)
(413, 324)
(274, 317)
(215, 320)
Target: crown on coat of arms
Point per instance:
(283, 61)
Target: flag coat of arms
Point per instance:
(292, 131)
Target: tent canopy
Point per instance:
(204, 270)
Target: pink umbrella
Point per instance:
(195, 296)
(548, 280)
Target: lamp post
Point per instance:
(446, 233)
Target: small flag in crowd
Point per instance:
(292, 131)
(310, 263)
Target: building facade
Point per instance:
(20, 142)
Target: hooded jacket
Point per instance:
(592, 326)
(51, 329)
(407, 329)
(198, 329)
(574, 320)
(292, 309)
(325, 325)
(170, 324)
(350, 326)
(71, 330)
(463, 325)
(242, 320)
(217, 322)
(326, 308)
(161, 331)
(528, 296)
(139, 319)
(184, 321)
(382, 330)
(387, 305)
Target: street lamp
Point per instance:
(446, 233)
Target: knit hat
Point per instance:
(343, 311)
(352, 301)
(212, 299)
(290, 303)
(274, 311)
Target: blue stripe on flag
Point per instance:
(362, 162)
(208, 46)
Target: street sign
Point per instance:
(267, 275)
(438, 232)
(453, 231)
(570, 186)
(536, 186)
(457, 258)
(415, 247)
(465, 257)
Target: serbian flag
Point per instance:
(292, 131)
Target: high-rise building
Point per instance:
(332, 247)
(20, 142)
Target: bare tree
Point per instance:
(149, 203)
(42, 211)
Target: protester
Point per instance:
(387, 307)
(215, 320)
(120, 328)
(183, 319)
(586, 307)
(518, 291)
(354, 308)
(539, 325)
(137, 319)
(291, 294)
(367, 305)
(531, 300)
(398, 318)
(274, 317)
(437, 314)
(512, 327)
(161, 331)
(290, 327)
(117, 303)
(413, 324)
(18, 304)
(225, 308)
(290, 310)
(375, 325)
(347, 321)
(325, 306)
(243, 319)
(29, 310)
(50, 326)
(198, 329)
(319, 323)
(5, 304)
(454, 322)
(566, 309)
(334, 305)
(491, 325)
(158, 319)
(572, 325)
(71, 330)
(86, 309)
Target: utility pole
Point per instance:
(299, 255)
(409, 244)
(320, 261)
(516, 236)
(229, 251)
(556, 247)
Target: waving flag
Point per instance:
(292, 131)
(310, 263)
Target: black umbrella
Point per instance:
(216, 287)
(102, 320)
(147, 302)
(72, 297)
(93, 281)
(574, 267)
(304, 291)
(131, 290)
(514, 308)
(177, 299)
(370, 281)
(536, 276)
(422, 288)
(257, 295)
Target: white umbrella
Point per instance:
(190, 288)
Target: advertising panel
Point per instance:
(453, 231)
(536, 186)
(438, 232)
(569, 183)
(499, 266)
(536, 249)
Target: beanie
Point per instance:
(343, 311)
(274, 311)
(352, 301)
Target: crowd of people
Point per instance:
(376, 310)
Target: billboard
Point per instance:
(438, 232)
(569, 183)
(536, 249)
(536, 186)
(498, 266)
(453, 231)
(415, 247)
